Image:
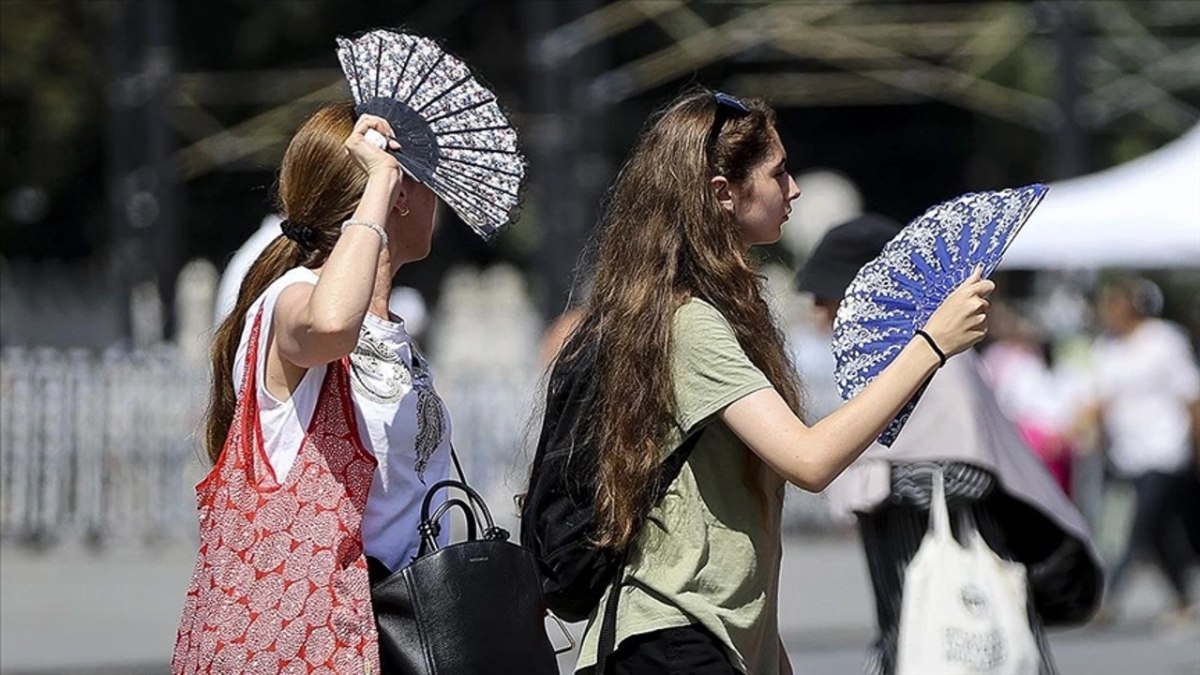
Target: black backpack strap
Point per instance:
(606, 643)
(673, 464)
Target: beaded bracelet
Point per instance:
(372, 226)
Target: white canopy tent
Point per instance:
(1144, 213)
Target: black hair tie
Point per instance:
(303, 235)
(933, 345)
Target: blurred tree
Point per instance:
(903, 130)
(52, 82)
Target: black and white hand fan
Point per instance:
(453, 136)
(895, 294)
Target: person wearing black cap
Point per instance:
(957, 428)
(838, 257)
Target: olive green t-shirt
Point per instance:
(710, 552)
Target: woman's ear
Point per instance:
(401, 203)
(724, 192)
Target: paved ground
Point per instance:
(73, 612)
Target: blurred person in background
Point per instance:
(349, 429)
(1029, 391)
(683, 345)
(1191, 507)
(240, 262)
(957, 428)
(1147, 404)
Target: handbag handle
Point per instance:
(431, 527)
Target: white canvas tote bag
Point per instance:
(964, 607)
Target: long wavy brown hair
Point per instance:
(319, 186)
(664, 238)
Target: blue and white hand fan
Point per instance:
(895, 294)
(453, 136)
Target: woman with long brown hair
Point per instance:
(323, 425)
(685, 345)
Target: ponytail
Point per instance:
(319, 187)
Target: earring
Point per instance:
(405, 212)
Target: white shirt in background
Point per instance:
(240, 263)
(1145, 382)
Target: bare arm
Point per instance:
(317, 324)
(811, 457)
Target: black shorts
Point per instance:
(689, 650)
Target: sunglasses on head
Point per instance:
(732, 102)
(727, 106)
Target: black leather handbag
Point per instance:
(472, 607)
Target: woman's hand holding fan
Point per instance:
(960, 321)
(927, 284)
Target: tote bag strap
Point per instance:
(939, 515)
(250, 367)
(253, 458)
(973, 536)
(245, 416)
(243, 429)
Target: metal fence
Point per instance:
(96, 445)
(103, 446)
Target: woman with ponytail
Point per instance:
(685, 347)
(323, 425)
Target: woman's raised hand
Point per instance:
(368, 155)
(961, 320)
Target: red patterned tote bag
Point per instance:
(280, 584)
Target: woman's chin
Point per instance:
(771, 237)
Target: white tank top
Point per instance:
(401, 420)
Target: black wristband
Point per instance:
(933, 345)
